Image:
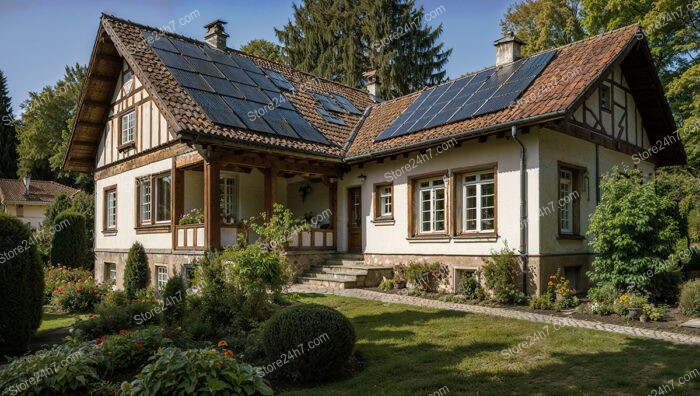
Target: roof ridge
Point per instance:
(193, 40)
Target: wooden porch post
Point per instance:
(177, 195)
(333, 206)
(212, 217)
(270, 189)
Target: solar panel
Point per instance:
(279, 80)
(329, 117)
(327, 102)
(346, 104)
(302, 127)
(204, 67)
(248, 112)
(253, 93)
(279, 100)
(190, 80)
(262, 81)
(172, 59)
(246, 64)
(223, 87)
(276, 120)
(157, 40)
(484, 92)
(235, 74)
(219, 56)
(215, 108)
(189, 49)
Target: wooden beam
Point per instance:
(212, 217)
(270, 190)
(333, 206)
(286, 165)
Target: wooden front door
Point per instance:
(354, 219)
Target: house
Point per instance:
(28, 199)
(510, 154)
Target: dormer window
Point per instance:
(127, 81)
(605, 97)
(128, 128)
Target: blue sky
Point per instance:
(38, 38)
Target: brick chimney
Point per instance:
(372, 82)
(508, 49)
(216, 35)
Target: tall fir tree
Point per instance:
(341, 39)
(8, 133)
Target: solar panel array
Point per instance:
(232, 90)
(346, 104)
(326, 116)
(484, 92)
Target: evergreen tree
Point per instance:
(341, 39)
(8, 134)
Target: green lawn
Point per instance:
(50, 321)
(417, 351)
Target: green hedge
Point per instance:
(174, 301)
(69, 241)
(21, 285)
(136, 270)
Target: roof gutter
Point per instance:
(520, 122)
(523, 206)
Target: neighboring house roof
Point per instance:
(356, 140)
(41, 192)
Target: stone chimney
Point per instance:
(373, 86)
(216, 36)
(508, 49)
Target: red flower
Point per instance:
(90, 291)
(100, 340)
(59, 300)
(139, 346)
(99, 295)
(130, 333)
(122, 331)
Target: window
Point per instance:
(431, 200)
(128, 128)
(162, 277)
(566, 210)
(383, 202)
(110, 273)
(153, 193)
(127, 81)
(144, 186)
(110, 210)
(479, 205)
(20, 210)
(605, 97)
(228, 190)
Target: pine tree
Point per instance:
(341, 39)
(8, 134)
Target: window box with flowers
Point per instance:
(194, 216)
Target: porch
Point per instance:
(213, 191)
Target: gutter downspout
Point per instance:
(523, 206)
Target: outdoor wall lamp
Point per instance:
(362, 177)
(304, 191)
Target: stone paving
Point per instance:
(502, 312)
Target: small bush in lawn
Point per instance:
(426, 277)
(174, 301)
(21, 286)
(541, 302)
(64, 370)
(196, 372)
(136, 270)
(501, 273)
(70, 240)
(320, 338)
(386, 284)
(689, 302)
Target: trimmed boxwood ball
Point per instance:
(69, 242)
(21, 285)
(301, 324)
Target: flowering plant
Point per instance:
(129, 349)
(59, 275)
(81, 296)
(194, 216)
(559, 290)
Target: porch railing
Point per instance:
(313, 239)
(189, 237)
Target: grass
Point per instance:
(52, 321)
(418, 351)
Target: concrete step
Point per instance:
(334, 284)
(349, 256)
(330, 276)
(339, 269)
(344, 262)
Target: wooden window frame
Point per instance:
(236, 194)
(376, 199)
(151, 226)
(20, 210)
(414, 204)
(577, 172)
(132, 143)
(608, 89)
(167, 276)
(457, 192)
(107, 265)
(105, 209)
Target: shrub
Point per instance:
(173, 301)
(63, 370)
(689, 302)
(655, 313)
(294, 331)
(254, 347)
(59, 275)
(79, 297)
(386, 284)
(453, 298)
(111, 319)
(501, 274)
(632, 230)
(471, 288)
(136, 270)
(200, 371)
(603, 293)
(426, 277)
(21, 285)
(665, 287)
(400, 275)
(541, 302)
(70, 241)
(116, 298)
(128, 349)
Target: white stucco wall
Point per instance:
(33, 215)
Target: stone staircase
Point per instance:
(345, 272)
